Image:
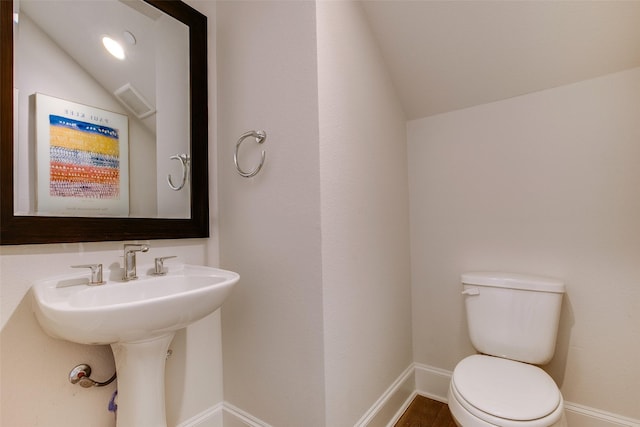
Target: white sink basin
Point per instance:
(138, 319)
(131, 311)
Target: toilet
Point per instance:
(513, 322)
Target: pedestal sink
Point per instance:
(138, 319)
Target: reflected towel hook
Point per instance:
(260, 137)
(185, 162)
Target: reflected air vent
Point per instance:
(135, 102)
(142, 7)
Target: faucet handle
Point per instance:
(159, 263)
(96, 273)
(132, 247)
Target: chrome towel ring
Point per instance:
(185, 162)
(260, 137)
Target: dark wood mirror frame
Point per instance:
(15, 230)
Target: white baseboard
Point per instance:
(211, 417)
(419, 379)
(223, 414)
(236, 417)
(584, 416)
(395, 399)
(432, 382)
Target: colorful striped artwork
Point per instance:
(84, 159)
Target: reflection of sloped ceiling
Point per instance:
(446, 55)
(78, 26)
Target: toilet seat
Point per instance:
(506, 393)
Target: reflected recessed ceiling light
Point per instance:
(113, 47)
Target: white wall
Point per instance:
(365, 217)
(545, 183)
(319, 325)
(34, 389)
(270, 224)
(34, 367)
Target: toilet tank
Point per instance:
(513, 316)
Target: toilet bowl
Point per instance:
(487, 391)
(513, 321)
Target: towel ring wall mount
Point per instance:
(260, 137)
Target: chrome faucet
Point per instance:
(130, 260)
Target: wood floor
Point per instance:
(425, 412)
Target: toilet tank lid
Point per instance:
(513, 281)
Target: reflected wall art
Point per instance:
(82, 159)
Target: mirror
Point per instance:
(124, 155)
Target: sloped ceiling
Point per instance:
(448, 55)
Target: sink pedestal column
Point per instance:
(140, 366)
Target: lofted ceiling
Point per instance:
(448, 55)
